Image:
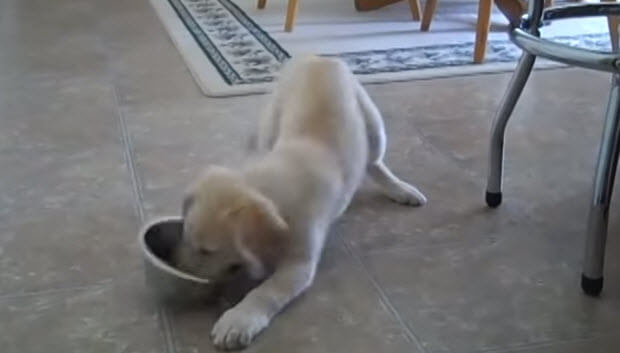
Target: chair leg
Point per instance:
(291, 15)
(415, 9)
(513, 10)
(482, 29)
(496, 148)
(262, 4)
(592, 276)
(612, 24)
(429, 12)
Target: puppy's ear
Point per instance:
(256, 213)
(263, 214)
(259, 229)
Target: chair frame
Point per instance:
(527, 37)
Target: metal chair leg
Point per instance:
(496, 150)
(592, 276)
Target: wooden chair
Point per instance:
(513, 9)
(612, 23)
(360, 5)
(485, 8)
(291, 13)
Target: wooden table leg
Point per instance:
(262, 4)
(415, 9)
(482, 30)
(429, 11)
(291, 15)
(367, 5)
(612, 24)
(512, 9)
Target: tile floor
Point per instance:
(101, 127)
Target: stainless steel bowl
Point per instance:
(158, 241)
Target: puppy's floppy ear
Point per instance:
(258, 225)
(264, 214)
(256, 213)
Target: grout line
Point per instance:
(475, 177)
(472, 176)
(164, 322)
(130, 160)
(546, 343)
(51, 291)
(78, 288)
(410, 335)
(409, 248)
(128, 150)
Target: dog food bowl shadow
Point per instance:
(158, 241)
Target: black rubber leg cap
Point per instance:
(493, 199)
(591, 287)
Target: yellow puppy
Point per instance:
(319, 136)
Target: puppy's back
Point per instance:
(318, 99)
(321, 122)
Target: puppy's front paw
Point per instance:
(406, 194)
(237, 328)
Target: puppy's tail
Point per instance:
(375, 129)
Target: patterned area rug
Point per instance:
(232, 48)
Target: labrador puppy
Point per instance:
(320, 134)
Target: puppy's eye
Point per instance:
(233, 268)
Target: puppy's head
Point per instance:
(228, 226)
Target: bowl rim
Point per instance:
(156, 261)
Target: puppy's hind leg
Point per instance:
(396, 189)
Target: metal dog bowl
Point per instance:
(158, 240)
